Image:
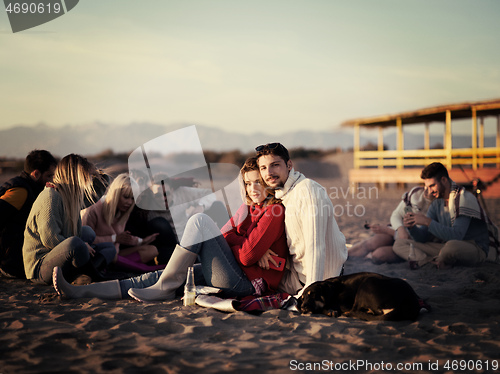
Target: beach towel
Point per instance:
(463, 203)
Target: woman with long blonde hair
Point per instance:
(108, 218)
(53, 235)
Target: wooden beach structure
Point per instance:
(402, 166)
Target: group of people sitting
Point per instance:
(54, 225)
(54, 246)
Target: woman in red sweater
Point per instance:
(235, 259)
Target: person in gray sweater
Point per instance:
(53, 235)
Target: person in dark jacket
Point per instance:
(17, 196)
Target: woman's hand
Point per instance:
(381, 229)
(149, 239)
(91, 250)
(409, 220)
(264, 260)
(126, 238)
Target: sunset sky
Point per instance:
(248, 66)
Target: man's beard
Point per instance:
(280, 184)
(441, 190)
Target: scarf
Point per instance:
(293, 178)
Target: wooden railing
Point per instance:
(476, 158)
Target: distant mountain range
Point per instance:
(94, 138)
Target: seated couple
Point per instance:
(444, 223)
(455, 230)
(236, 258)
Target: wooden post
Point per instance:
(427, 137)
(427, 140)
(498, 140)
(474, 139)
(481, 141)
(448, 140)
(400, 145)
(356, 146)
(380, 148)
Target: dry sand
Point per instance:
(41, 333)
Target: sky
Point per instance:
(248, 66)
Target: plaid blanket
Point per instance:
(262, 303)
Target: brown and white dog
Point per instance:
(367, 296)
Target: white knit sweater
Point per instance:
(317, 247)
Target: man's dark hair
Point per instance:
(39, 160)
(276, 149)
(435, 170)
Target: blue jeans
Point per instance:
(141, 281)
(218, 264)
(148, 279)
(108, 250)
(71, 253)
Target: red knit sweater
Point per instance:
(251, 232)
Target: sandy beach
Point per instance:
(42, 333)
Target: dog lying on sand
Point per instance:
(367, 296)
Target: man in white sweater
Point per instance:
(317, 247)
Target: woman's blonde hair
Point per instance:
(120, 185)
(252, 165)
(73, 179)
